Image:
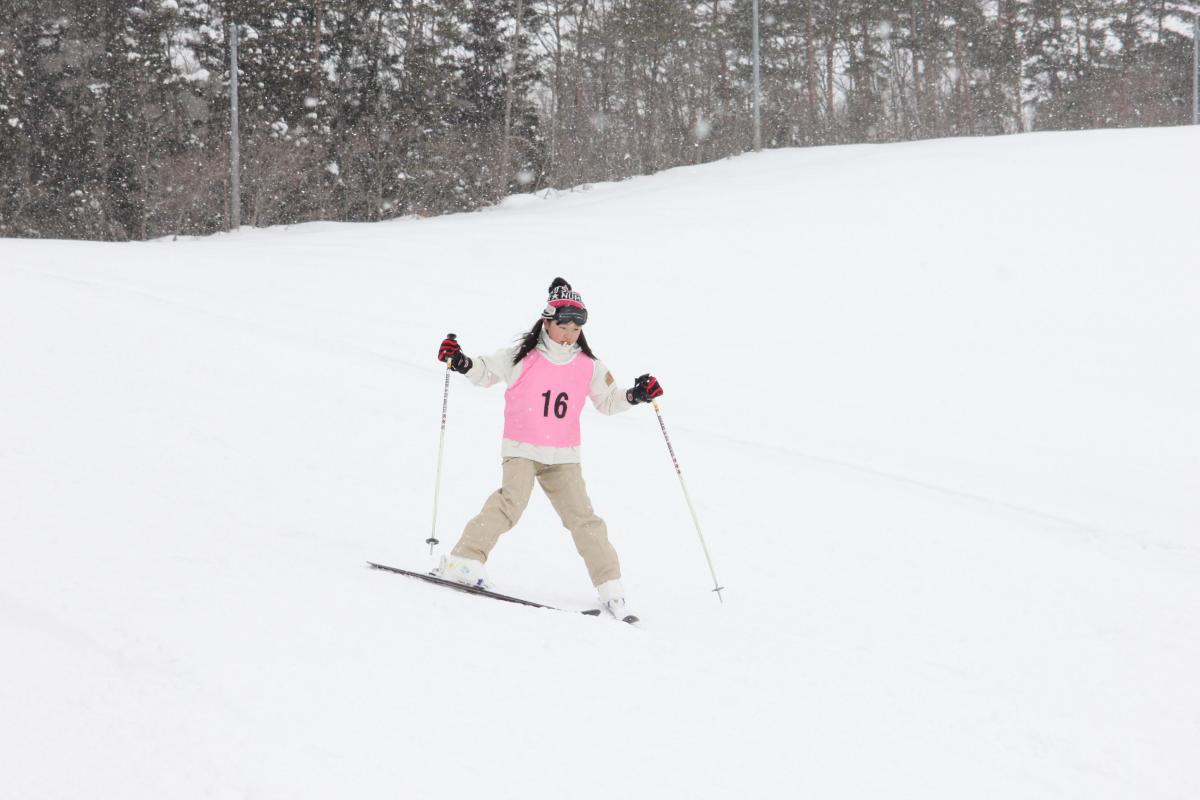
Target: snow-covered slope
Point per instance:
(935, 404)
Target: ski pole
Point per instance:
(717, 587)
(432, 541)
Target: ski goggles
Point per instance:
(564, 314)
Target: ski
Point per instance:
(591, 612)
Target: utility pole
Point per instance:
(235, 156)
(505, 151)
(757, 84)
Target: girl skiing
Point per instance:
(548, 373)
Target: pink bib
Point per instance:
(542, 407)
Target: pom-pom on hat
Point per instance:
(564, 304)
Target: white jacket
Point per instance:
(606, 395)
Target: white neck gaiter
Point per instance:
(557, 353)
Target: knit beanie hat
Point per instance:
(564, 304)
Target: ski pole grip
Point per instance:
(454, 338)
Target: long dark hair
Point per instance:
(529, 341)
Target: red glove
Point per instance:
(450, 350)
(645, 389)
(449, 347)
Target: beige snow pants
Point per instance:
(563, 484)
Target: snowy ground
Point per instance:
(935, 403)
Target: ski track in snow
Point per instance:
(1071, 526)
